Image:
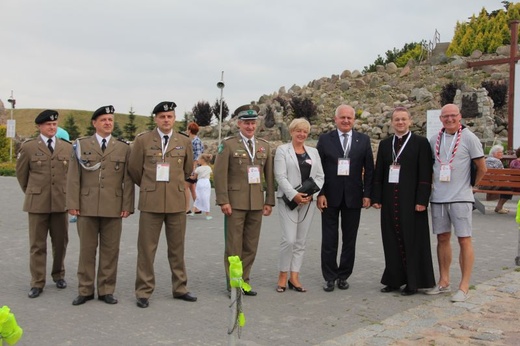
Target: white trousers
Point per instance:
(294, 234)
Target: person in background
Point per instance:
(202, 175)
(494, 160)
(515, 164)
(41, 170)
(243, 163)
(191, 181)
(402, 188)
(294, 163)
(348, 164)
(452, 197)
(100, 194)
(63, 134)
(160, 161)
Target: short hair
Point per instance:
(517, 152)
(193, 127)
(345, 106)
(399, 109)
(495, 148)
(206, 157)
(300, 123)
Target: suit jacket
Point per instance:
(287, 170)
(354, 187)
(160, 196)
(106, 191)
(230, 175)
(43, 176)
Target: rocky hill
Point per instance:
(375, 95)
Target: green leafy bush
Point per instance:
(8, 169)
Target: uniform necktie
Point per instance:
(49, 145)
(345, 141)
(165, 141)
(103, 145)
(250, 145)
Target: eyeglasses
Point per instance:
(446, 116)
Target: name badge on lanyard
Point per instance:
(343, 166)
(445, 173)
(253, 174)
(393, 173)
(163, 171)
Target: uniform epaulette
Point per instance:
(124, 141)
(82, 138)
(183, 134)
(228, 138)
(28, 140)
(63, 139)
(142, 133)
(263, 140)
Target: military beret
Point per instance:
(46, 115)
(165, 106)
(247, 112)
(102, 111)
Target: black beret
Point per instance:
(46, 115)
(247, 112)
(102, 111)
(165, 106)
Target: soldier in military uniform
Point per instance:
(41, 170)
(241, 163)
(160, 161)
(100, 193)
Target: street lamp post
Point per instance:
(221, 86)
(11, 127)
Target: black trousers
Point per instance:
(330, 241)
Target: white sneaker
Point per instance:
(460, 296)
(438, 290)
(209, 217)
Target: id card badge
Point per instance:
(445, 173)
(163, 171)
(253, 174)
(343, 166)
(393, 174)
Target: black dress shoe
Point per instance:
(142, 302)
(187, 297)
(329, 286)
(250, 293)
(388, 289)
(108, 298)
(343, 284)
(61, 283)
(35, 292)
(408, 292)
(82, 299)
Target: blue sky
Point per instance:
(86, 54)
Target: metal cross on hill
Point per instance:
(511, 60)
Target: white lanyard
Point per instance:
(396, 157)
(251, 155)
(450, 150)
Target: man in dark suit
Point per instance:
(348, 163)
(41, 169)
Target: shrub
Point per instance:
(448, 92)
(269, 117)
(8, 169)
(497, 91)
(303, 108)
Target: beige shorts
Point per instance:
(458, 215)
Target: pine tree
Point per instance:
(130, 128)
(71, 127)
(117, 132)
(150, 125)
(216, 109)
(90, 130)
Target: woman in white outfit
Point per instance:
(203, 190)
(295, 162)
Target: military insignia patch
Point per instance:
(221, 148)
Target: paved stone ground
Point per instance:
(360, 315)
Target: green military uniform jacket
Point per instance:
(43, 176)
(231, 178)
(159, 196)
(105, 191)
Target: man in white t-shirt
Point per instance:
(452, 197)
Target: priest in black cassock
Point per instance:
(401, 189)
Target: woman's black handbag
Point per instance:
(308, 187)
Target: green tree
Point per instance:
(130, 128)
(4, 144)
(71, 127)
(90, 130)
(150, 125)
(117, 132)
(216, 109)
(202, 113)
